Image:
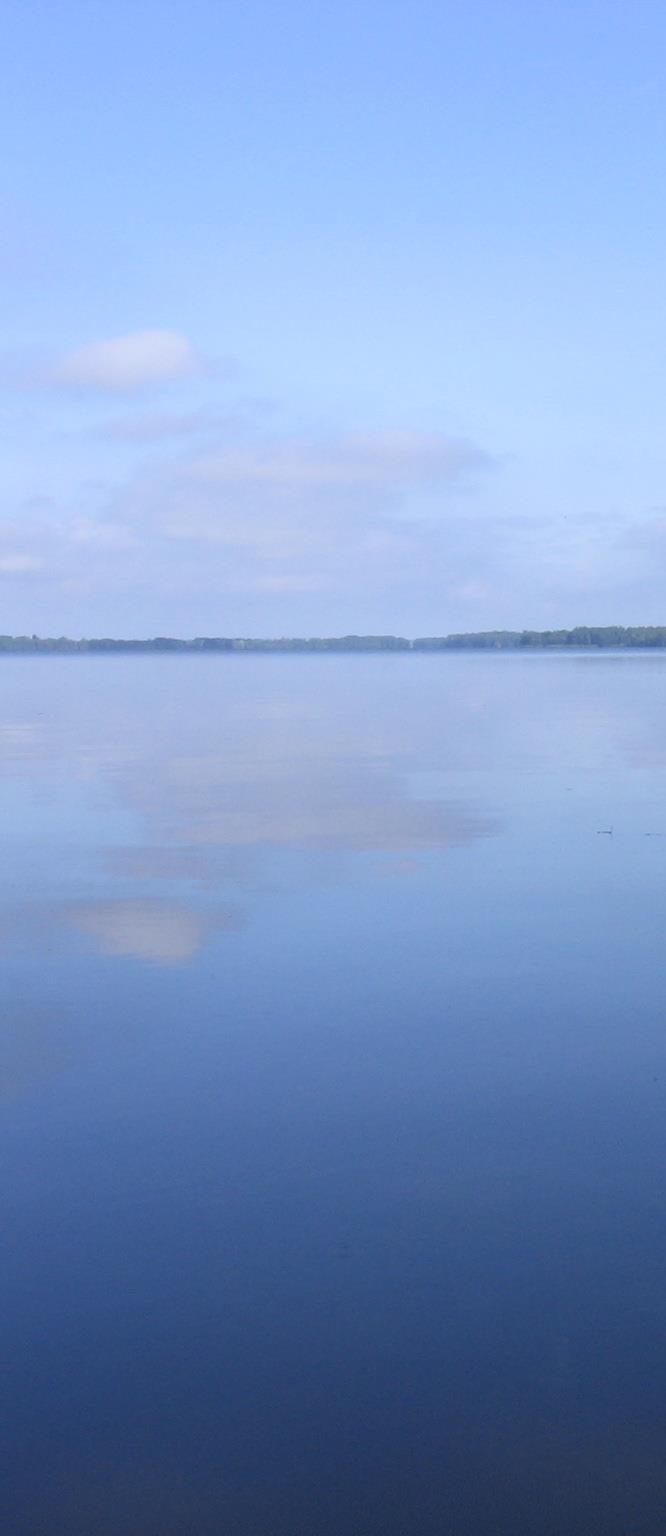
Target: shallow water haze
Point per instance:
(333, 1095)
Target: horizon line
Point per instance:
(581, 636)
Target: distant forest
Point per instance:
(610, 637)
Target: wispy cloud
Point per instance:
(121, 364)
(276, 516)
(225, 524)
(284, 497)
(234, 423)
(157, 426)
(389, 460)
(19, 564)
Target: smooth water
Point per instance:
(333, 1095)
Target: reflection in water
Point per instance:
(230, 764)
(333, 1202)
(149, 930)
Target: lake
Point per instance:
(333, 1080)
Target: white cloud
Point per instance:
(127, 363)
(356, 460)
(260, 530)
(286, 498)
(19, 565)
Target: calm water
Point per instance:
(333, 1096)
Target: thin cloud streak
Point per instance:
(124, 364)
(19, 565)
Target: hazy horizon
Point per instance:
(629, 637)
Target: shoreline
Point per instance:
(581, 640)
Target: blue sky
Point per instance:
(323, 317)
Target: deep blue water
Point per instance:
(333, 1096)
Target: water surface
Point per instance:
(333, 1095)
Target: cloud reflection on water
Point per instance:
(173, 777)
(157, 931)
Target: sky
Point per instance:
(326, 318)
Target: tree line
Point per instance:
(583, 637)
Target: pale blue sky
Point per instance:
(331, 317)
